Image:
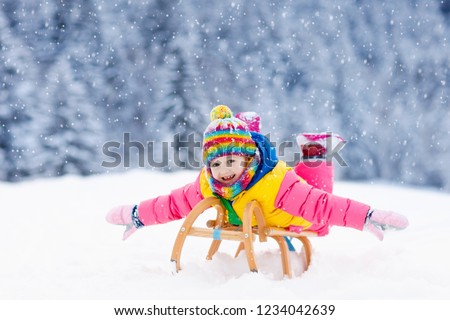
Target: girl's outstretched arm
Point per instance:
(162, 209)
(319, 207)
(325, 209)
(173, 206)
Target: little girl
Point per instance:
(241, 166)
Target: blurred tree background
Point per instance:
(77, 74)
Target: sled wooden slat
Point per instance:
(219, 234)
(219, 230)
(270, 231)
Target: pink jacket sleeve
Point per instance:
(317, 206)
(173, 206)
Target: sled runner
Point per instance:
(219, 230)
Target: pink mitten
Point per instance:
(379, 221)
(122, 215)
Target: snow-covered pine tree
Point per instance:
(20, 119)
(73, 140)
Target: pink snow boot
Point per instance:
(315, 168)
(123, 215)
(318, 145)
(252, 119)
(378, 221)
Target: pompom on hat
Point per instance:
(226, 135)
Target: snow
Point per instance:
(57, 245)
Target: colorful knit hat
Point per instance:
(226, 135)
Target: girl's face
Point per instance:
(228, 169)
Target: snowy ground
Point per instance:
(55, 244)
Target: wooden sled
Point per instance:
(220, 230)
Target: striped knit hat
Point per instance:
(226, 135)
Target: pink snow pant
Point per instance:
(317, 173)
